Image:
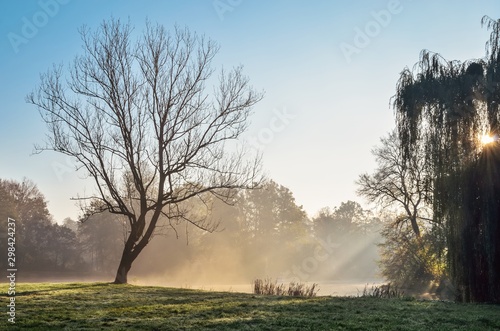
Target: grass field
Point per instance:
(100, 306)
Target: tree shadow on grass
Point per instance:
(56, 287)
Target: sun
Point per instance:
(487, 139)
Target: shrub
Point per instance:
(413, 263)
(270, 287)
(383, 291)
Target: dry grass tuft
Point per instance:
(270, 287)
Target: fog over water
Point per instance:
(324, 288)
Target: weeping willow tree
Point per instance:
(446, 107)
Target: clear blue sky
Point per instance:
(301, 53)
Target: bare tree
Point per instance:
(138, 118)
(399, 183)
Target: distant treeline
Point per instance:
(262, 233)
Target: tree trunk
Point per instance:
(135, 243)
(128, 256)
(124, 267)
(415, 226)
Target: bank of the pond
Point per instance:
(333, 288)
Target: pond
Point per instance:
(334, 288)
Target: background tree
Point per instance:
(7, 209)
(271, 212)
(346, 219)
(398, 183)
(33, 223)
(101, 238)
(41, 245)
(274, 226)
(446, 106)
(138, 119)
(413, 250)
(64, 248)
(71, 224)
(355, 233)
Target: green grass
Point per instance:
(99, 306)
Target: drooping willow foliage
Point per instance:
(478, 256)
(446, 106)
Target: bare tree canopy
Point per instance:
(403, 184)
(140, 119)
